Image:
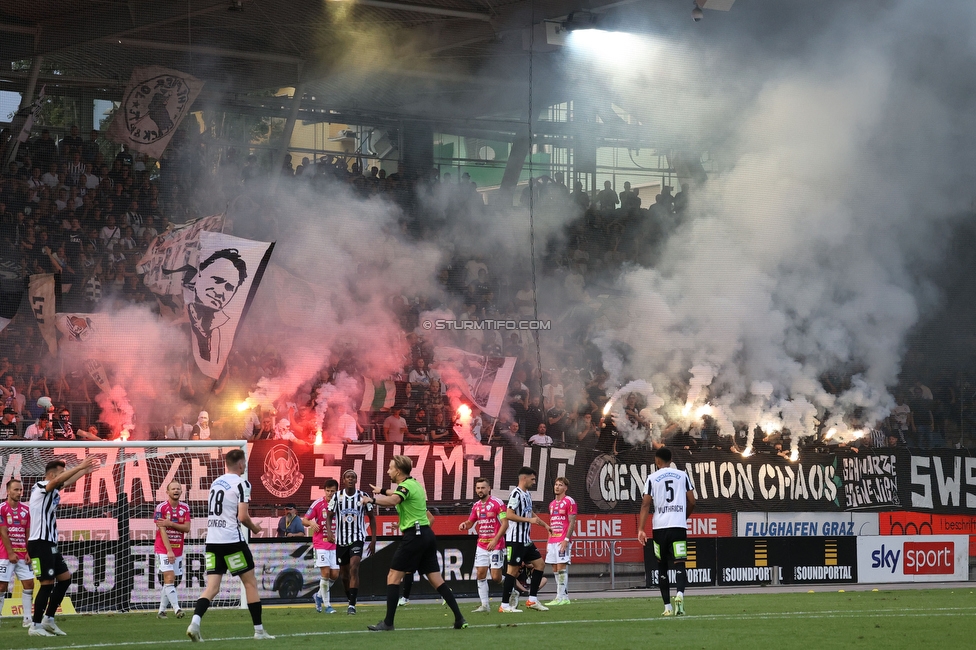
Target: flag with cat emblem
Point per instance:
(155, 102)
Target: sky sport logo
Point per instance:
(917, 558)
(487, 324)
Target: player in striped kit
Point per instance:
(14, 563)
(172, 519)
(323, 542)
(559, 551)
(488, 514)
(347, 517)
(518, 544)
(42, 542)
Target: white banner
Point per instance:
(806, 524)
(155, 102)
(483, 380)
(217, 294)
(171, 251)
(910, 558)
(41, 293)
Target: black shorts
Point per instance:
(670, 544)
(519, 554)
(346, 553)
(46, 560)
(234, 558)
(417, 551)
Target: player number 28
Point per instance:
(217, 502)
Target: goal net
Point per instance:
(105, 520)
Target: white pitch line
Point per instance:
(917, 612)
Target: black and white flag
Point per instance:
(44, 292)
(217, 293)
(155, 102)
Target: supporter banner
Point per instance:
(805, 524)
(218, 292)
(42, 294)
(804, 560)
(483, 380)
(142, 477)
(175, 249)
(870, 481)
(155, 102)
(941, 481)
(908, 558)
(12, 287)
(292, 471)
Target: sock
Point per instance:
(327, 596)
(680, 579)
(3, 595)
(43, 595)
(508, 587)
(392, 596)
(407, 585)
(353, 595)
(163, 599)
(169, 591)
(536, 581)
(57, 595)
(482, 592)
(662, 582)
(449, 600)
(200, 609)
(323, 588)
(667, 607)
(561, 579)
(255, 609)
(27, 600)
(680, 594)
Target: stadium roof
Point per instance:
(450, 59)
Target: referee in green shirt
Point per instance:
(417, 550)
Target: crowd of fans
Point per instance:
(73, 208)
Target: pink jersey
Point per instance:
(486, 514)
(180, 515)
(559, 513)
(316, 513)
(17, 522)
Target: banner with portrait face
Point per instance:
(217, 293)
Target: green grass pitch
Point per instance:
(943, 618)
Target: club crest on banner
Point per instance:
(281, 476)
(77, 327)
(156, 101)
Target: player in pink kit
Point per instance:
(14, 563)
(172, 519)
(562, 520)
(488, 515)
(323, 541)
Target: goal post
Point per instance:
(105, 520)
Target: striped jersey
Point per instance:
(669, 490)
(349, 517)
(521, 504)
(43, 509)
(226, 493)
